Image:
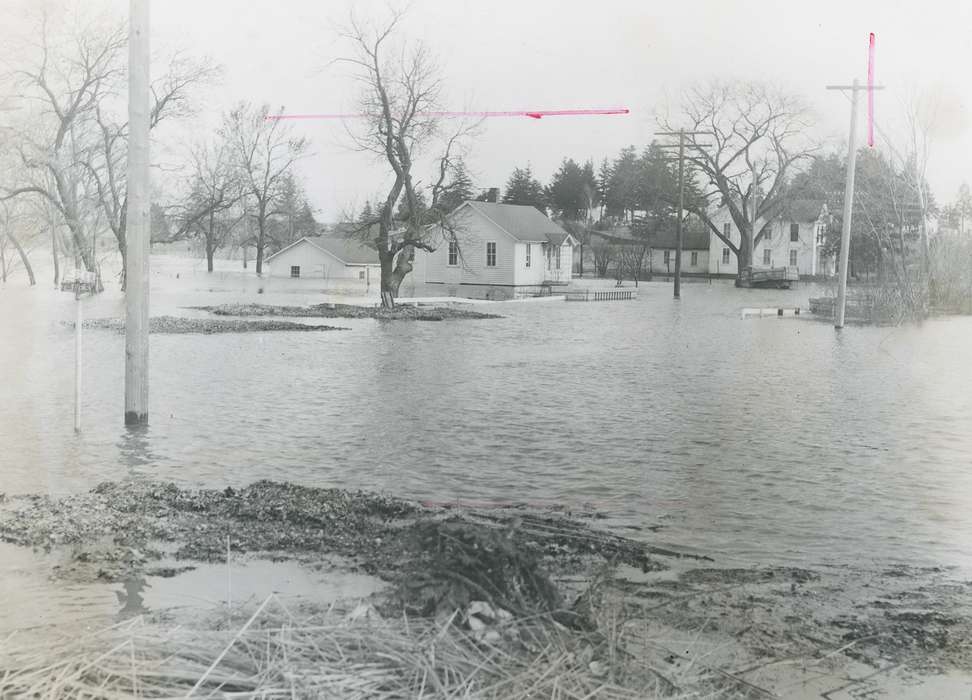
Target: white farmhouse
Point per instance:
(326, 257)
(795, 239)
(498, 251)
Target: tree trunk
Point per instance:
(57, 264)
(580, 262)
(210, 242)
(123, 249)
(261, 233)
(744, 258)
(23, 256)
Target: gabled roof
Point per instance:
(523, 222)
(348, 250)
(802, 210)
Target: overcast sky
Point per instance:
(551, 54)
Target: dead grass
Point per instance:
(330, 654)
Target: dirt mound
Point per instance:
(402, 312)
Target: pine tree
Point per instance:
(523, 188)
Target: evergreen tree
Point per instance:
(572, 191)
(523, 188)
(459, 189)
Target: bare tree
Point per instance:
(214, 189)
(756, 136)
(106, 159)
(266, 151)
(9, 219)
(68, 74)
(400, 94)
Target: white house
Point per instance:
(497, 251)
(794, 239)
(326, 257)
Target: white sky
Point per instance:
(552, 54)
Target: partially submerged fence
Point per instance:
(602, 295)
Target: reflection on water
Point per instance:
(135, 448)
(130, 598)
(774, 440)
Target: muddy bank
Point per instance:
(402, 312)
(173, 324)
(698, 627)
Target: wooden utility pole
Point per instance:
(681, 133)
(845, 230)
(138, 229)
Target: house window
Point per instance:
(295, 270)
(794, 233)
(766, 256)
(695, 258)
(820, 234)
(528, 247)
(361, 274)
(668, 256)
(453, 253)
(491, 254)
(793, 258)
(557, 258)
(727, 231)
(725, 256)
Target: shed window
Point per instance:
(453, 253)
(491, 254)
(695, 258)
(295, 270)
(668, 256)
(725, 256)
(793, 258)
(361, 275)
(794, 233)
(528, 247)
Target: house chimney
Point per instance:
(492, 195)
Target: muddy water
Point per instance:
(758, 440)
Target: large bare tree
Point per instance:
(265, 150)
(756, 136)
(400, 95)
(64, 77)
(71, 145)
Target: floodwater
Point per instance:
(767, 440)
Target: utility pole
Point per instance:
(845, 230)
(137, 222)
(681, 133)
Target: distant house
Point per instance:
(795, 239)
(661, 245)
(498, 251)
(332, 257)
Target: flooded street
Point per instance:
(767, 440)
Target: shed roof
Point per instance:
(523, 222)
(348, 250)
(694, 236)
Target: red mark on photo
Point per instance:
(532, 114)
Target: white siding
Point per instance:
(473, 233)
(808, 260)
(658, 265)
